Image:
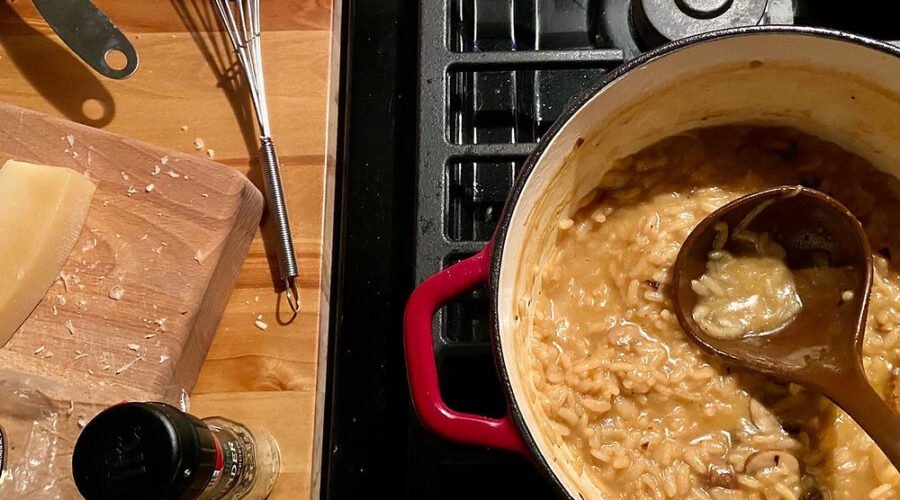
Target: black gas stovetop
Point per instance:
(441, 101)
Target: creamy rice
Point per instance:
(631, 402)
(748, 294)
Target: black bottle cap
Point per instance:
(143, 451)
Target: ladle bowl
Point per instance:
(828, 254)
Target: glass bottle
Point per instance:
(154, 450)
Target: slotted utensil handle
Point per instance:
(90, 34)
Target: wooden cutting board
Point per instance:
(169, 229)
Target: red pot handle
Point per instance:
(421, 367)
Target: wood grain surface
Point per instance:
(186, 89)
(169, 231)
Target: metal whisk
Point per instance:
(241, 21)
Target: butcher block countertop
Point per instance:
(184, 94)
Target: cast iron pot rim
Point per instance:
(499, 237)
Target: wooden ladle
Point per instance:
(821, 349)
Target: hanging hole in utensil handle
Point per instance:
(116, 59)
(293, 296)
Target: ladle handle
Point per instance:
(857, 397)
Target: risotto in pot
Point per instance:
(637, 407)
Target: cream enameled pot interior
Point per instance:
(840, 90)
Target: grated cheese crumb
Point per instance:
(70, 139)
(155, 170)
(89, 245)
(262, 325)
(198, 144)
(211, 153)
(173, 174)
(116, 292)
(149, 188)
(69, 326)
(124, 175)
(200, 256)
(126, 366)
(64, 277)
(134, 347)
(163, 358)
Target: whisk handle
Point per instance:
(277, 211)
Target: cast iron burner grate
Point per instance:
(492, 75)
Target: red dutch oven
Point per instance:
(840, 87)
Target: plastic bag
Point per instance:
(41, 420)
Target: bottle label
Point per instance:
(230, 463)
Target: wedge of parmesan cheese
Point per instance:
(42, 210)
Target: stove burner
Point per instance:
(659, 21)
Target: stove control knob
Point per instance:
(659, 21)
(703, 9)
